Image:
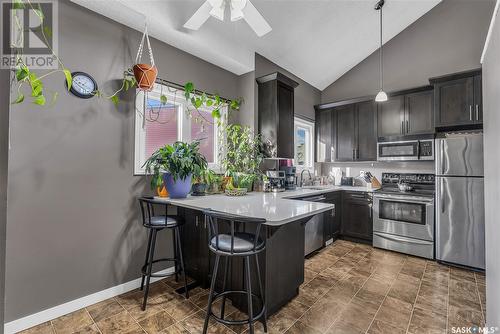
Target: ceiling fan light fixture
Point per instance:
(236, 14)
(218, 13)
(381, 96)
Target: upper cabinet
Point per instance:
(458, 100)
(346, 131)
(276, 114)
(405, 113)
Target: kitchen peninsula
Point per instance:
(282, 263)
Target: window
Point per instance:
(158, 124)
(304, 143)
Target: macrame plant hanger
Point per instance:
(145, 74)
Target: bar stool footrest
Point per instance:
(237, 322)
(145, 272)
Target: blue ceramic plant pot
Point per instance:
(179, 188)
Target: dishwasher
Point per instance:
(314, 228)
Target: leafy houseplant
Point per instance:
(176, 164)
(242, 155)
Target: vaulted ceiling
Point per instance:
(317, 40)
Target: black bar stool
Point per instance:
(157, 223)
(229, 245)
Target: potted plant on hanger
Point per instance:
(176, 164)
(145, 74)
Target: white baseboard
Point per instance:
(74, 305)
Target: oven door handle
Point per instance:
(406, 199)
(399, 239)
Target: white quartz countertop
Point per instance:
(276, 208)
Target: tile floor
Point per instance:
(348, 288)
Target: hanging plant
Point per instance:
(145, 74)
(26, 77)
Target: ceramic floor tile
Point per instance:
(72, 322)
(120, 323)
(175, 329)
(301, 328)
(426, 321)
(380, 327)
(181, 309)
(340, 327)
(395, 312)
(157, 322)
(45, 328)
(357, 289)
(92, 329)
(104, 309)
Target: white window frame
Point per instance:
(176, 97)
(308, 126)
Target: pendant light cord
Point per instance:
(381, 63)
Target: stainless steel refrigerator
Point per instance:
(460, 199)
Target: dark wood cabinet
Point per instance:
(390, 117)
(419, 116)
(345, 139)
(324, 136)
(347, 131)
(276, 115)
(333, 218)
(357, 217)
(366, 131)
(458, 99)
(409, 112)
(196, 254)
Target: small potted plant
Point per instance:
(200, 183)
(176, 164)
(214, 182)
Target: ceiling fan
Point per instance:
(240, 9)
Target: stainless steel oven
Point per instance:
(403, 221)
(406, 150)
(404, 224)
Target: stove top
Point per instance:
(423, 184)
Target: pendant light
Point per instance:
(381, 96)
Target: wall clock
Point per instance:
(83, 85)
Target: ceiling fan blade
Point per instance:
(199, 17)
(255, 20)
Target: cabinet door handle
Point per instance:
(402, 127)
(196, 221)
(407, 126)
(353, 154)
(371, 211)
(477, 112)
(470, 112)
(332, 213)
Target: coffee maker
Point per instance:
(275, 182)
(289, 176)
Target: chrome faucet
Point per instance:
(302, 176)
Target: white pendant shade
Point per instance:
(381, 96)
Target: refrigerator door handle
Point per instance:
(441, 194)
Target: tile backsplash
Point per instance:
(377, 168)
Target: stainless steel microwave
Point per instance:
(407, 150)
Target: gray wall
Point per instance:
(447, 39)
(72, 221)
(491, 107)
(4, 153)
(306, 96)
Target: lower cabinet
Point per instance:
(357, 217)
(197, 257)
(333, 218)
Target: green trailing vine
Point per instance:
(26, 77)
